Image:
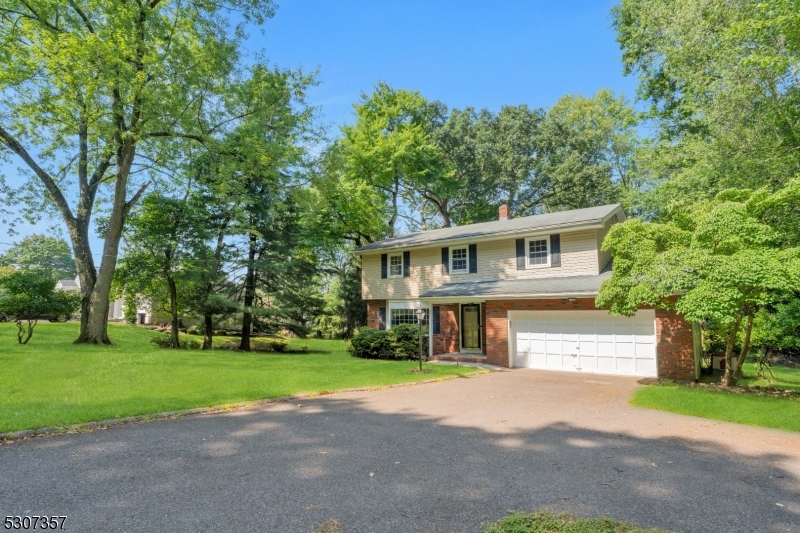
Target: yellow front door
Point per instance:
(471, 327)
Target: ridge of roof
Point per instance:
(558, 219)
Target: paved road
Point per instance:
(438, 457)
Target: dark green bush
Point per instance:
(400, 342)
(165, 341)
(275, 344)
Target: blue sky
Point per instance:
(464, 53)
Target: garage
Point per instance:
(584, 341)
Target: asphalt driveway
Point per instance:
(437, 457)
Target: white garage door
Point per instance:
(586, 341)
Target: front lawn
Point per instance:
(546, 522)
(744, 408)
(52, 382)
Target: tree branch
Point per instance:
(48, 181)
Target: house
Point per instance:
(115, 307)
(521, 293)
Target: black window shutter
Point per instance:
(520, 254)
(382, 319)
(473, 258)
(384, 260)
(445, 260)
(406, 264)
(555, 250)
(435, 319)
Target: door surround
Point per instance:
(461, 328)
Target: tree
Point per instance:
(27, 296)
(159, 236)
(49, 255)
(92, 90)
(720, 260)
(721, 78)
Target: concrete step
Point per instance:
(459, 357)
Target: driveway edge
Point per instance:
(83, 427)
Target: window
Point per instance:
(459, 263)
(538, 252)
(406, 316)
(396, 266)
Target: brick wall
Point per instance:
(373, 313)
(674, 349)
(446, 341)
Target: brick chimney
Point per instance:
(503, 212)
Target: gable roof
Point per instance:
(558, 220)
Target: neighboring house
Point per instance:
(521, 293)
(115, 307)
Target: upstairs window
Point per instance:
(396, 266)
(538, 252)
(459, 260)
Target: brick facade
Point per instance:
(674, 348)
(446, 341)
(373, 313)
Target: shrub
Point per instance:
(404, 340)
(195, 330)
(276, 344)
(165, 341)
(400, 342)
(371, 343)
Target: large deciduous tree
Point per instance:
(722, 81)
(49, 255)
(719, 260)
(92, 90)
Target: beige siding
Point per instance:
(603, 257)
(496, 260)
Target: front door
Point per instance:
(471, 327)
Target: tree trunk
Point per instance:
(249, 295)
(94, 320)
(745, 345)
(729, 379)
(173, 311)
(208, 332)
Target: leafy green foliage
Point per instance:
(400, 342)
(273, 344)
(27, 296)
(165, 341)
(49, 255)
(718, 261)
(721, 78)
(547, 522)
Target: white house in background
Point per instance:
(115, 307)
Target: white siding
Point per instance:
(496, 260)
(603, 257)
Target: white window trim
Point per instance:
(528, 251)
(452, 249)
(389, 265)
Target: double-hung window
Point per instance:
(538, 252)
(459, 260)
(396, 266)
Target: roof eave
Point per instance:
(529, 296)
(598, 223)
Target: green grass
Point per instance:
(766, 411)
(52, 382)
(546, 522)
(786, 378)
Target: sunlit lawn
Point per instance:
(52, 382)
(767, 411)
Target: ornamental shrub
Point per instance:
(165, 341)
(400, 342)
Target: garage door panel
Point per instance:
(590, 341)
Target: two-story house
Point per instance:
(521, 293)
